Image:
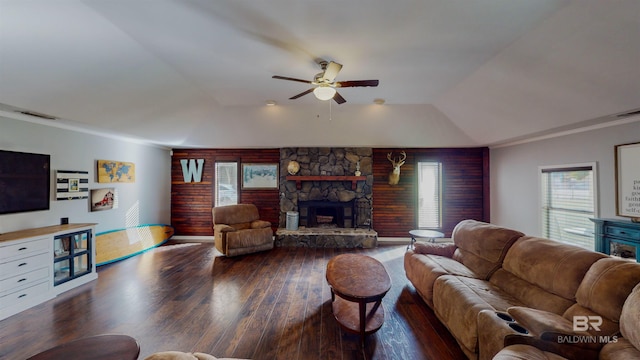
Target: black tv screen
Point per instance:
(24, 182)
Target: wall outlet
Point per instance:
(64, 221)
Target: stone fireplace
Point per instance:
(330, 199)
(323, 165)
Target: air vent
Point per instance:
(632, 113)
(38, 115)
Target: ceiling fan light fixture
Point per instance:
(324, 92)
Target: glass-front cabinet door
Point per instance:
(72, 256)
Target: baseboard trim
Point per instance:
(384, 241)
(187, 238)
(404, 240)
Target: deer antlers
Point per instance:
(399, 162)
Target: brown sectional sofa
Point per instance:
(488, 271)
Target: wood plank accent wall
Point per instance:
(191, 202)
(465, 189)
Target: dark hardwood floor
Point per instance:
(270, 305)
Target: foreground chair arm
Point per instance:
(548, 342)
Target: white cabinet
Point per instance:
(28, 263)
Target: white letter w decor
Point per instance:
(191, 170)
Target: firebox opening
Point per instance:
(328, 217)
(326, 214)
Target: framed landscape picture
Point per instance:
(260, 176)
(628, 181)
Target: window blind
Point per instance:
(568, 201)
(226, 183)
(429, 195)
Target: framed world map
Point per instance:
(110, 171)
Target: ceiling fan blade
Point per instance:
(301, 94)
(339, 99)
(291, 79)
(333, 68)
(354, 83)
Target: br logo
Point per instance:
(585, 323)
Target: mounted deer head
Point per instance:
(394, 175)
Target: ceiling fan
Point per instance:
(325, 84)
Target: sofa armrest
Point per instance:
(260, 224)
(552, 332)
(442, 249)
(223, 228)
(581, 341)
(571, 351)
(540, 321)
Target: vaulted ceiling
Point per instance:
(197, 73)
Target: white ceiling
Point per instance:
(197, 73)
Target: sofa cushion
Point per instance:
(607, 327)
(260, 224)
(607, 285)
(622, 349)
(627, 347)
(458, 300)
(442, 249)
(482, 246)
(247, 241)
(423, 270)
(178, 355)
(555, 267)
(525, 352)
(241, 226)
(630, 318)
(529, 294)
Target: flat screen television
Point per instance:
(24, 182)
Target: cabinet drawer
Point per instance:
(620, 232)
(24, 265)
(21, 280)
(26, 247)
(24, 295)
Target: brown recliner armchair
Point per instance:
(238, 230)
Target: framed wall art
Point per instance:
(260, 176)
(72, 184)
(628, 180)
(103, 199)
(110, 171)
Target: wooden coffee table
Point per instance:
(99, 347)
(360, 282)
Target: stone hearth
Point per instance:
(327, 238)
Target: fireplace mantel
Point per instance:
(300, 178)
